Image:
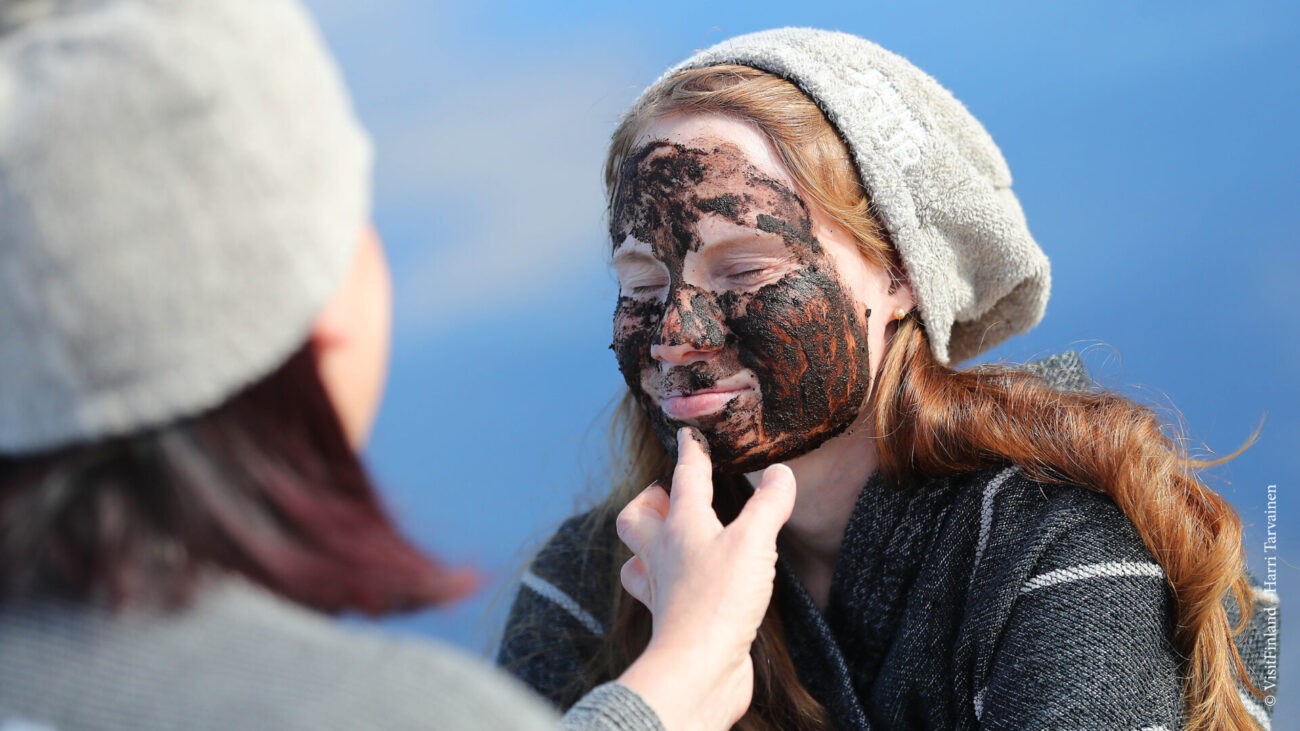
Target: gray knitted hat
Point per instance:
(934, 176)
(182, 185)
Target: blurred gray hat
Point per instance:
(182, 186)
(936, 180)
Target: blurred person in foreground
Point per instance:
(810, 233)
(194, 326)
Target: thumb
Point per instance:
(771, 504)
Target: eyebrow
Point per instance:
(627, 252)
(748, 236)
(744, 234)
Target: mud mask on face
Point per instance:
(798, 338)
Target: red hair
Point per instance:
(265, 486)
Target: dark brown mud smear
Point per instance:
(800, 336)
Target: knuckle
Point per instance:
(625, 525)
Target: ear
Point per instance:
(336, 323)
(907, 300)
(328, 330)
(900, 293)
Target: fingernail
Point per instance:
(690, 432)
(777, 475)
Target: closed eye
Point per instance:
(644, 283)
(751, 276)
(755, 272)
(639, 274)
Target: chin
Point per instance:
(730, 458)
(753, 458)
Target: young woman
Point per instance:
(194, 323)
(808, 233)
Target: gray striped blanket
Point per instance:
(979, 600)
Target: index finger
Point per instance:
(693, 476)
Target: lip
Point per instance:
(683, 406)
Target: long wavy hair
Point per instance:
(932, 420)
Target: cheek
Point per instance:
(803, 339)
(635, 325)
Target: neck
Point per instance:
(828, 481)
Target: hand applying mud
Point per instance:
(708, 587)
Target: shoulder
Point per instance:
(575, 569)
(389, 671)
(1079, 561)
(1065, 600)
(1059, 546)
(1051, 525)
(241, 657)
(581, 544)
(562, 610)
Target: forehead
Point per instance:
(707, 131)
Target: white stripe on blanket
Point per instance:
(1255, 710)
(555, 595)
(1092, 571)
(986, 514)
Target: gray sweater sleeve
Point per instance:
(611, 707)
(242, 658)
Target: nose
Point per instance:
(692, 328)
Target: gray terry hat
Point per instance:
(182, 186)
(935, 179)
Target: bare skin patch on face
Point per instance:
(794, 343)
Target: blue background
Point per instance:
(1154, 148)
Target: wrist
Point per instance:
(683, 691)
(653, 677)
